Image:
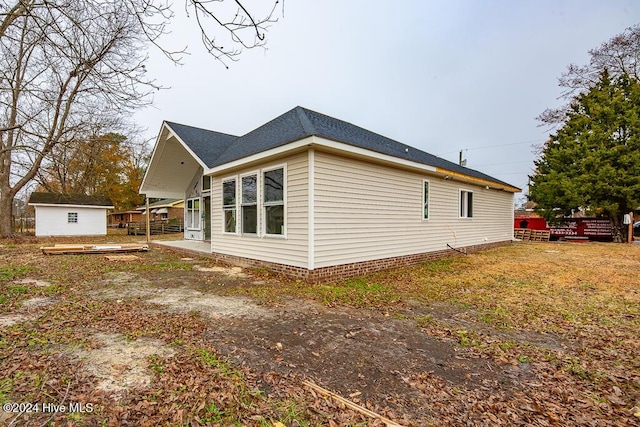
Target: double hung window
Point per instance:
(229, 205)
(273, 190)
(250, 204)
(254, 204)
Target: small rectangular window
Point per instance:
(425, 200)
(250, 204)
(466, 204)
(229, 205)
(273, 183)
(206, 183)
(72, 217)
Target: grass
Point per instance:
(12, 272)
(355, 291)
(545, 287)
(211, 359)
(585, 295)
(541, 287)
(11, 294)
(6, 385)
(444, 265)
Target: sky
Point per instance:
(441, 76)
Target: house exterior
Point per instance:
(70, 215)
(314, 197)
(120, 219)
(164, 210)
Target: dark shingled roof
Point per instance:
(299, 123)
(208, 145)
(69, 199)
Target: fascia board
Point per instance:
(186, 147)
(363, 152)
(478, 181)
(153, 156)
(158, 148)
(258, 156)
(316, 141)
(62, 205)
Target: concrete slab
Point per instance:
(196, 247)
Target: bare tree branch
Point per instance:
(70, 67)
(619, 56)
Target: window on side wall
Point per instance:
(206, 183)
(273, 190)
(193, 214)
(250, 204)
(72, 217)
(425, 199)
(466, 204)
(229, 205)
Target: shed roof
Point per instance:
(45, 198)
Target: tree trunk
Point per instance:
(617, 229)
(6, 213)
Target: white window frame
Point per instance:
(463, 203)
(224, 223)
(264, 205)
(188, 211)
(428, 201)
(241, 204)
(205, 178)
(72, 217)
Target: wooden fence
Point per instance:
(156, 227)
(528, 234)
(24, 225)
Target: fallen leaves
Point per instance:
(555, 326)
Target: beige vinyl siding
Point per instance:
(290, 250)
(365, 211)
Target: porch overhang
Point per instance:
(171, 169)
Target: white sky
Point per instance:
(442, 76)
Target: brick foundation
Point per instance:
(326, 274)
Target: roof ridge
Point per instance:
(307, 126)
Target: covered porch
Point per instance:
(175, 173)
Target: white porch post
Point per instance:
(147, 219)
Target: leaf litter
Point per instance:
(493, 349)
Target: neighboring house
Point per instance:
(313, 196)
(165, 209)
(70, 215)
(121, 219)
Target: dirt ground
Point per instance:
(401, 364)
(357, 353)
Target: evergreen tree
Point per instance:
(592, 162)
